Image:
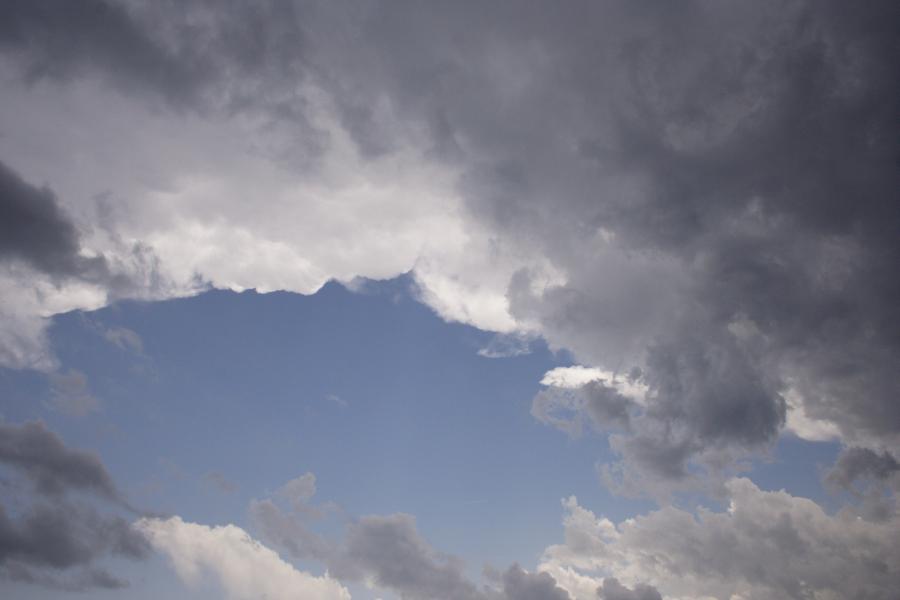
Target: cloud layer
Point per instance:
(703, 192)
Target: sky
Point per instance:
(449, 301)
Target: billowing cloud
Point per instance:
(767, 545)
(245, 568)
(705, 193)
(698, 201)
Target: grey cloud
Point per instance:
(387, 549)
(747, 159)
(60, 39)
(84, 580)
(856, 464)
(716, 183)
(290, 533)
(52, 467)
(63, 535)
(613, 590)
(186, 58)
(37, 231)
(519, 584)
(43, 259)
(566, 408)
(34, 229)
(390, 548)
(54, 540)
(871, 478)
(688, 170)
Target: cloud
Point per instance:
(55, 537)
(567, 407)
(124, 338)
(519, 584)
(70, 393)
(862, 463)
(871, 478)
(705, 193)
(767, 545)
(289, 532)
(506, 346)
(45, 270)
(217, 480)
(84, 581)
(299, 490)
(62, 535)
(390, 550)
(245, 568)
(613, 590)
(53, 468)
(387, 552)
(35, 230)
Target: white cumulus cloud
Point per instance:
(245, 568)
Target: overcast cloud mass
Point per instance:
(689, 209)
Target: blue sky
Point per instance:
(308, 300)
(392, 408)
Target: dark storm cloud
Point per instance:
(764, 166)
(741, 156)
(187, 58)
(613, 590)
(60, 39)
(716, 182)
(34, 229)
(53, 531)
